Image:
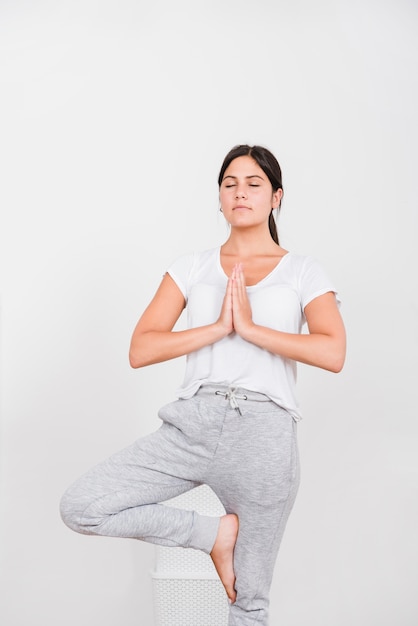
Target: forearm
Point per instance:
(155, 346)
(320, 350)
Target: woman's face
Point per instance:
(246, 194)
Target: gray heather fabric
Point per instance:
(244, 449)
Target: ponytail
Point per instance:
(273, 228)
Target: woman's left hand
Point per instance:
(241, 308)
(324, 344)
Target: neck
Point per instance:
(248, 243)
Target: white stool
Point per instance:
(187, 589)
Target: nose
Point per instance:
(240, 192)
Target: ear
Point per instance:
(277, 198)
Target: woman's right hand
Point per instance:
(225, 320)
(154, 340)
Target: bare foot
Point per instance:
(223, 553)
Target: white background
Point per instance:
(115, 118)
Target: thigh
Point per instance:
(151, 470)
(257, 462)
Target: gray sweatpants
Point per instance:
(240, 444)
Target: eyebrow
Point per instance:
(251, 176)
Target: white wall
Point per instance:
(115, 117)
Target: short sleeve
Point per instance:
(314, 282)
(180, 271)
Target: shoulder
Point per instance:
(187, 267)
(311, 278)
(301, 263)
(296, 265)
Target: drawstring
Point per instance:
(232, 397)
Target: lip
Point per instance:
(241, 206)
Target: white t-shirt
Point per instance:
(277, 301)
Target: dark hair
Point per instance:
(270, 166)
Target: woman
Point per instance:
(233, 425)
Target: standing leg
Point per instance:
(257, 477)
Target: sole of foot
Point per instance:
(223, 553)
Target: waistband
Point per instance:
(232, 394)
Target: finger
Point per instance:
(229, 287)
(235, 282)
(241, 283)
(227, 302)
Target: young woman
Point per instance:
(233, 425)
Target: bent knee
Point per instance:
(72, 510)
(69, 513)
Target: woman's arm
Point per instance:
(154, 340)
(324, 346)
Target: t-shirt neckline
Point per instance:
(260, 282)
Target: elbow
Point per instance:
(336, 355)
(337, 363)
(140, 357)
(336, 367)
(136, 358)
(134, 361)
(142, 352)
